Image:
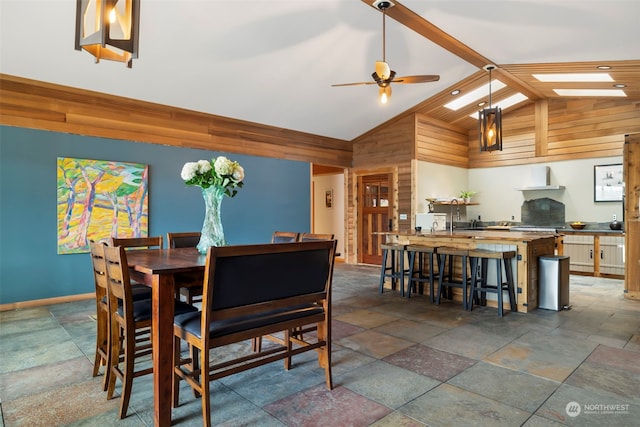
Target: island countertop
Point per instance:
(529, 246)
(504, 235)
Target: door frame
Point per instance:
(356, 177)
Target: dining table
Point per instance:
(156, 268)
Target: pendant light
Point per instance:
(382, 68)
(108, 29)
(490, 123)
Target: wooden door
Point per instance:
(374, 214)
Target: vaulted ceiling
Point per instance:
(274, 61)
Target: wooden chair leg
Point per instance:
(127, 381)
(115, 356)
(204, 385)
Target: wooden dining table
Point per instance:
(156, 268)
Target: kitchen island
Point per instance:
(529, 246)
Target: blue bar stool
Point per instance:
(396, 270)
(446, 278)
(479, 267)
(418, 277)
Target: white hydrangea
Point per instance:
(223, 166)
(204, 166)
(189, 170)
(238, 173)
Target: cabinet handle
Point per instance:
(590, 253)
(601, 254)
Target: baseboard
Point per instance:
(46, 301)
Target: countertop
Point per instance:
(476, 235)
(591, 231)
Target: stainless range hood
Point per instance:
(540, 179)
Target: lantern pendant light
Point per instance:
(490, 123)
(108, 29)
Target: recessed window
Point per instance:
(589, 92)
(474, 95)
(574, 77)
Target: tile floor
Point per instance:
(396, 362)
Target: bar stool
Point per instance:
(479, 267)
(418, 277)
(395, 272)
(448, 280)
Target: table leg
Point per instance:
(162, 335)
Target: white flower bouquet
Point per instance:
(220, 172)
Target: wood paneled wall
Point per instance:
(38, 105)
(440, 142)
(560, 129)
(385, 145)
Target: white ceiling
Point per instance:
(273, 61)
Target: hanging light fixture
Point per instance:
(490, 122)
(108, 29)
(382, 68)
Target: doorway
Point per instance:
(375, 213)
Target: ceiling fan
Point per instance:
(383, 75)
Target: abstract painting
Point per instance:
(100, 199)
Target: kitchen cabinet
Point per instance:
(611, 255)
(598, 254)
(580, 249)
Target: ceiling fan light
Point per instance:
(383, 70)
(385, 93)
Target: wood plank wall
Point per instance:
(560, 129)
(38, 105)
(389, 144)
(440, 142)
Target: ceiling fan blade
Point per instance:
(354, 84)
(416, 79)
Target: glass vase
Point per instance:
(212, 232)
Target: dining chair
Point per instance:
(138, 290)
(311, 237)
(277, 237)
(130, 326)
(227, 318)
(188, 285)
(284, 237)
(103, 320)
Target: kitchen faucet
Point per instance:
(454, 201)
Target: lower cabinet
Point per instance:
(580, 249)
(611, 255)
(597, 255)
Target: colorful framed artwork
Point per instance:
(100, 199)
(608, 184)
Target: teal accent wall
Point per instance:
(275, 196)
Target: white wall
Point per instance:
(329, 220)
(499, 198)
(438, 181)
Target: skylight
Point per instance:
(474, 95)
(573, 77)
(589, 92)
(505, 103)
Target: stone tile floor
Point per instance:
(396, 362)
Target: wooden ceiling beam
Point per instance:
(417, 23)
